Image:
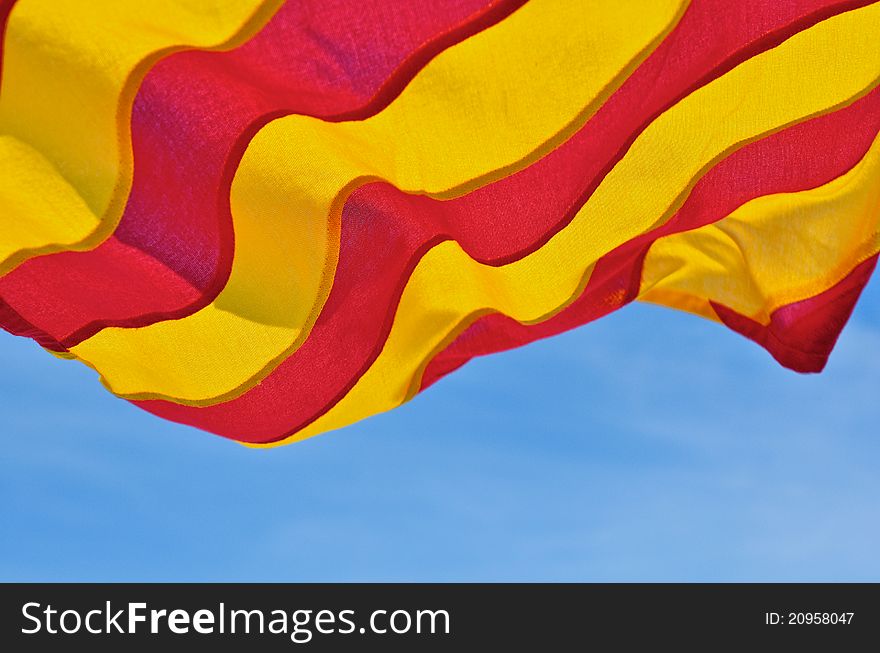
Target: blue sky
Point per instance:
(650, 445)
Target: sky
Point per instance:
(650, 445)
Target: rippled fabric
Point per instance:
(194, 114)
(434, 139)
(70, 70)
(352, 200)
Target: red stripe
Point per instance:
(5, 8)
(13, 323)
(192, 119)
(801, 335)
(501, 218)
(771, 165)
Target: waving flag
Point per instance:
(270, 220)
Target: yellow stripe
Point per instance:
(70, 73)
(680, 300)
(480, 109)
(773, 250)
(37, 204)
(815, 71)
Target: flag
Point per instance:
(272, 219)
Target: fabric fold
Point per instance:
(420, 338)
(473, 112)
(70, 72)
(193, 116)
(751, 265)
(329, 206)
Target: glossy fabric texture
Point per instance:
(316, 228)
